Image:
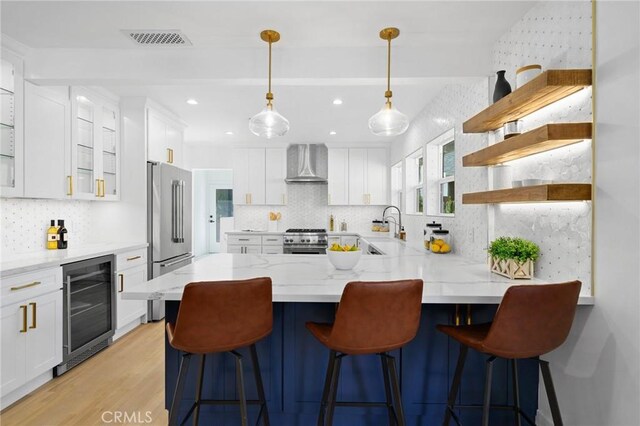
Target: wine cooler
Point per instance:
(89, 310)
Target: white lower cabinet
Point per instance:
(255, 244)
(131, 271)
(31, 339)
(130, 310)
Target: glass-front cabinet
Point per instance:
(11, 127)
(95, 153)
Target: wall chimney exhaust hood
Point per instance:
(307, 163)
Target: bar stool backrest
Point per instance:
(377, 317)
(219, 316)
(532, 320)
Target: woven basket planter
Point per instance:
(511, 268)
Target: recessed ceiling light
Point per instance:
(337, 101)
(192, 101)
(332, 133)
(228, 133)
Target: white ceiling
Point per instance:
(327, 50)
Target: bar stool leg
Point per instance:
(196, 414)
(327, 387)
(241, 393)
(177, 395)
(264, 410)
(387, 391)
(396, 389)
(551, 393)
(516, 390)
(334, 389)
(486, 406)
(455, 385)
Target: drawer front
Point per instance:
(272, 240)
(131, 259)
(244, 240)
(16, 288)
(272, 249)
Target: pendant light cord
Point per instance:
(389, 65)
(269, 94)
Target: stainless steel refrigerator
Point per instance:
(168, 224)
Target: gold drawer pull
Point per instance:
(20, 287)
(24, 318)
(33, 314)
(133, 258)
(70, 179)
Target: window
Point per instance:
(396, 186)
(415, 182)
(441, 165)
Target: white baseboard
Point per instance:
(542, 420)
(129, 327)
(25, 389)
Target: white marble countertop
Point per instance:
(311, 278)
(17, 264)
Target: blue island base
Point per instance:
(294, 364)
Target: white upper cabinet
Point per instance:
(249, 176)
(165, 138)
(95, 147)
(11, 126)
(338, 193)
(275, 174)
(46, 143)
(377, 180)
(358, 176)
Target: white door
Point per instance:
(357, 176)
(44, 336)
(13, 348)
(256, 163)
(377, 181)
(275, 174)
(338, 159)
(46, 141)
(220, 204)
(129, 310)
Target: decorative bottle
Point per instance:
(52, 236)
(62, 235)
(503, 88)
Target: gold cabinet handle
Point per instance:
(24, 318)
(169, 155)
(102, 188)
(246, 198)
(33, 314)
(70, 185)
(121, 277)
(20, 287)
(98, 188)
(129, 259)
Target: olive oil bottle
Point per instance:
(52, 236)
(62, 235)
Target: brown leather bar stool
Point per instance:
(221, 316)
(531, 321)
(372, 318)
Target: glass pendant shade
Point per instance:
(388, 122)
(268, 123)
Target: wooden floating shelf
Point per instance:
(544, 138)
(548, 87)
(532, 194)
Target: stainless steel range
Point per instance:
(305, 241)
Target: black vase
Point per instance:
(503, 88)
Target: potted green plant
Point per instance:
(513, 257)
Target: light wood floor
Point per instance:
(127, 377)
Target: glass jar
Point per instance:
(441, 242)
(428, 229)
(379, 226)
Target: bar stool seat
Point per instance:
(372, 318)
(215, 317)
(531, 321)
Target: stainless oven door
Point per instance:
(304, 250)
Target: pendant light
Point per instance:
(269, 123)
(388, 121)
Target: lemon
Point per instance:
(439, 242)
(445, 248)
(435, 248)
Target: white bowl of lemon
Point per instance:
(344, 257)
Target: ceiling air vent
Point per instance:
(158, 37)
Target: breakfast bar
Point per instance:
(307, 288)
